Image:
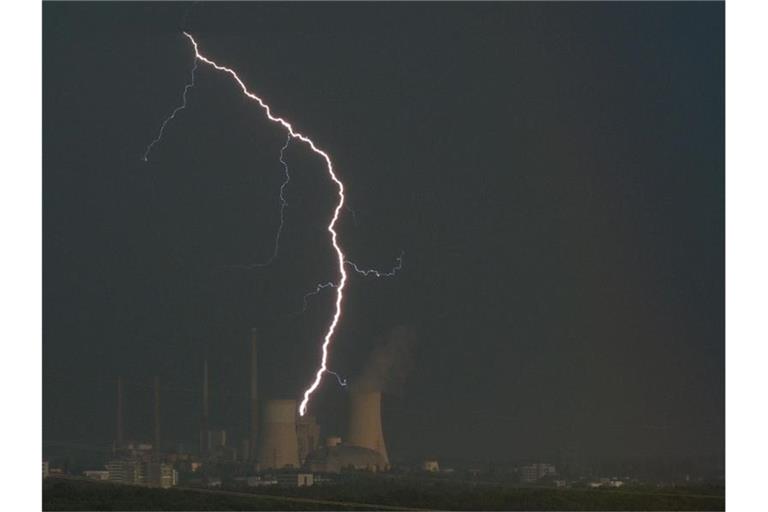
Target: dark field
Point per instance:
(376, 494)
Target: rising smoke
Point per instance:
(389, 364)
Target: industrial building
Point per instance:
(278, 441)
(286, 443)
(308, 435)
(295, 479)
(158, 474)
(535, 472)
(365, 422)
(364, 448)
(125, 471)
(334, 459)
(137, 472)
(97, 474)
(282, 440)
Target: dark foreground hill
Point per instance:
(70, 494)
(379, 494)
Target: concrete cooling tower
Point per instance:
(278, 445)
(365, 422)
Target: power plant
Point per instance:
(281, 439)
(276, 437)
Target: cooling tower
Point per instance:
(278, 444)
(365, 422)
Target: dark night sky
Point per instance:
(553, 172)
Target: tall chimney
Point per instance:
(278, 444)
(254, 394)
(204, 417)
(119, 412)
(365, 422)
(157, 416)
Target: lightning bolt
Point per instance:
(341, 284)
(341, 259)
(321, 286)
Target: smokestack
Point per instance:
(157, 415)
(205, 390)
(365, 422)
(254, 394)
(204, 417)
(278, 444)
(119, 412)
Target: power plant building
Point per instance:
(125, 471)
(364, 448)
(365, 422)
(277, 438)
(334, 459)
(158, 474)
(534, 472)
(149, 473)
(308, 436)
(217, 439)
(278, 443)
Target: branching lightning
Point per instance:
(342, 382)
(365, 272)
(320, 287)
(338, 285)
(354, 215)
(379, 273)
(175, 111)
(283, 204)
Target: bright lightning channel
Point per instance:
(341, 284)
(283, 203)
